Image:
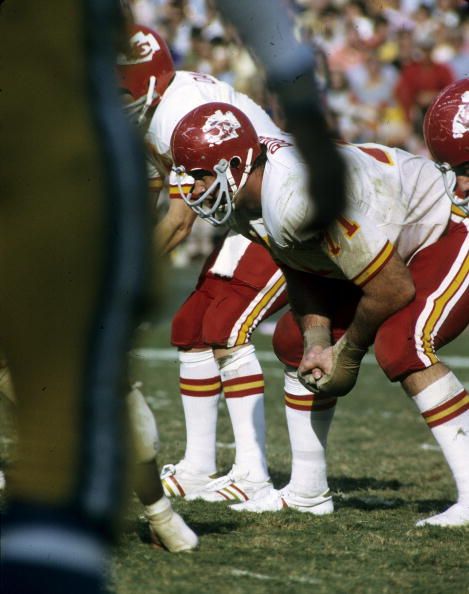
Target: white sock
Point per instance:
(243, 386)
(200, 387)
(160, 506)
(308, 422)
(445, 407)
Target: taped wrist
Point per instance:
(347, 358)
(317, 336)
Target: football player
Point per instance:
(239, 286)
(399, 253)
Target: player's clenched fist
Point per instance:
(332, 371)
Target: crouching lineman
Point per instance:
(400, 243)
(239, 286)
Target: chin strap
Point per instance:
(137, 110)
(149, 99)
(462, 203)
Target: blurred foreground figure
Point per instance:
(266, 28)
(72, 259)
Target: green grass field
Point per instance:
(385, 470)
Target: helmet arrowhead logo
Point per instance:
(142, 49)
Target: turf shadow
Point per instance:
(346, 483)
(140, 528)
(369, 503)
(215, 527)
(432, 505)
(365, 483)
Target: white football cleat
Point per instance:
(280, 499)
(454, 516)
(234, 486)
(178, 480)
(169, 530)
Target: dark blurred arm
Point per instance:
(266, 28)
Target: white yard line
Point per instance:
(226, 446)
(261, 576)
(157, 355)
(432, 447)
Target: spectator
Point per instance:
(199, 56)
(221, 61)
(347, 115)
(447, 13)
(329, 29)
(213, 26)
(178, 30)
(425, 25)
(459, 63)
(351, 53)
(355, 13)
(383, 39)
(405, 49)
(420, 81)
(372, 84)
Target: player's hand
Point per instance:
(317, 362)
(334, 371)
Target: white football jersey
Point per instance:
(395, 201)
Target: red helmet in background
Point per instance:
(446, 132)
(146, 69)
(220, 139)
(446, 125)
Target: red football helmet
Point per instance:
(446, 124)
(446, 132)
(146, 70)
(220, 139)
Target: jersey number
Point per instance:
(350, 227)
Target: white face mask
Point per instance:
(462, 203)
(215, 205)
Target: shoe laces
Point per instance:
(231, 477)
(168, 470)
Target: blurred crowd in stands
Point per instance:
(380, 61)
